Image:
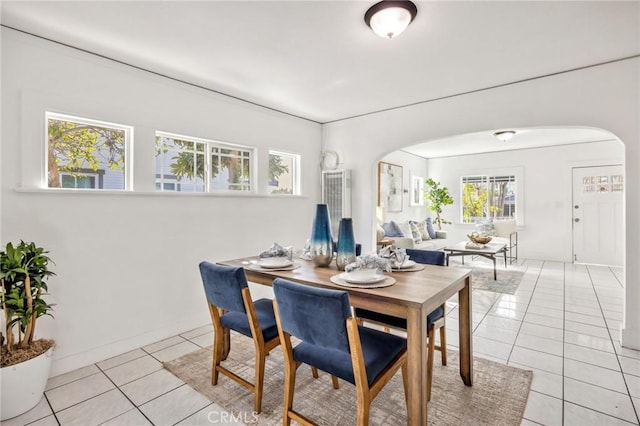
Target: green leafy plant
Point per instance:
(74, 146)
(23, 273)
(438, 197)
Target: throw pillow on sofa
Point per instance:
(391, 229)
(405, 229)
(430, 230)
(422, 228)
(415, 232)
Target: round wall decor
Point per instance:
(329, 160)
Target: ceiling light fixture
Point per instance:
(389, 18)
(505, 135)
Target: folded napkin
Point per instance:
(276, 250)
(306, 251)
(395, 255)
(369, 262)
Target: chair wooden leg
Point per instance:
(226, 344)
(405, 383)
(430, 354)
(364, 405)
(259, 381)
(334, 380)
(443, 345)
(289, 387)
(217, 357)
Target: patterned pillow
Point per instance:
(422, 228)
(430, 230)
(415, 232)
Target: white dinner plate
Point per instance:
(386, 282)
(346, 276)
(406, 264)
(272, 263)
(256, 267)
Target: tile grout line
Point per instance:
(123, 394)
(525, 312)
(624, 379)
(127, 397)
(564, 401)
(519, 328)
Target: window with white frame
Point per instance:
(189, 164)
(284, 173)
(86, 154)
(485, 196)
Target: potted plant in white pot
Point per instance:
(25, 361)
(438, 197)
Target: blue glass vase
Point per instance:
(346, 244)
(321, 238)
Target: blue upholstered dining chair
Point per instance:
(435, 320)
(331, 340)
(358, 248)
(231, 308)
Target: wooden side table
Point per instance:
(385, 242)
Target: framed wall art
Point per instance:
(417, 191)
(390, 186)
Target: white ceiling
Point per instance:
(473, 143)
(318, 59)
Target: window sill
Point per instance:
(152, 193)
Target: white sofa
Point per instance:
(504, 231)
(431, 244)
(408, 241)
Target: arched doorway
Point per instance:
(540, 161)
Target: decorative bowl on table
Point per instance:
(478, 238)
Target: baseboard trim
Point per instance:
(111, 349)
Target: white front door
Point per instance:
(597, 215)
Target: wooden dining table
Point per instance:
(413, 296)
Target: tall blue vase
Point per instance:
(346, 244)
(321, 238)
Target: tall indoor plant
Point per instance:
(24, 269)
(438, 197)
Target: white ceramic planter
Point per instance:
(22, 385)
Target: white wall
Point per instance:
(543, 177)
(412, 165)
(127, 263)
(605, 97)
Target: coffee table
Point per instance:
(489, 251)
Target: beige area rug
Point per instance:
(497, 397)
(482, 274)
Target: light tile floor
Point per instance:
(563, 323)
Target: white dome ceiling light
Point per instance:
(504, 135)
(390, 18)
